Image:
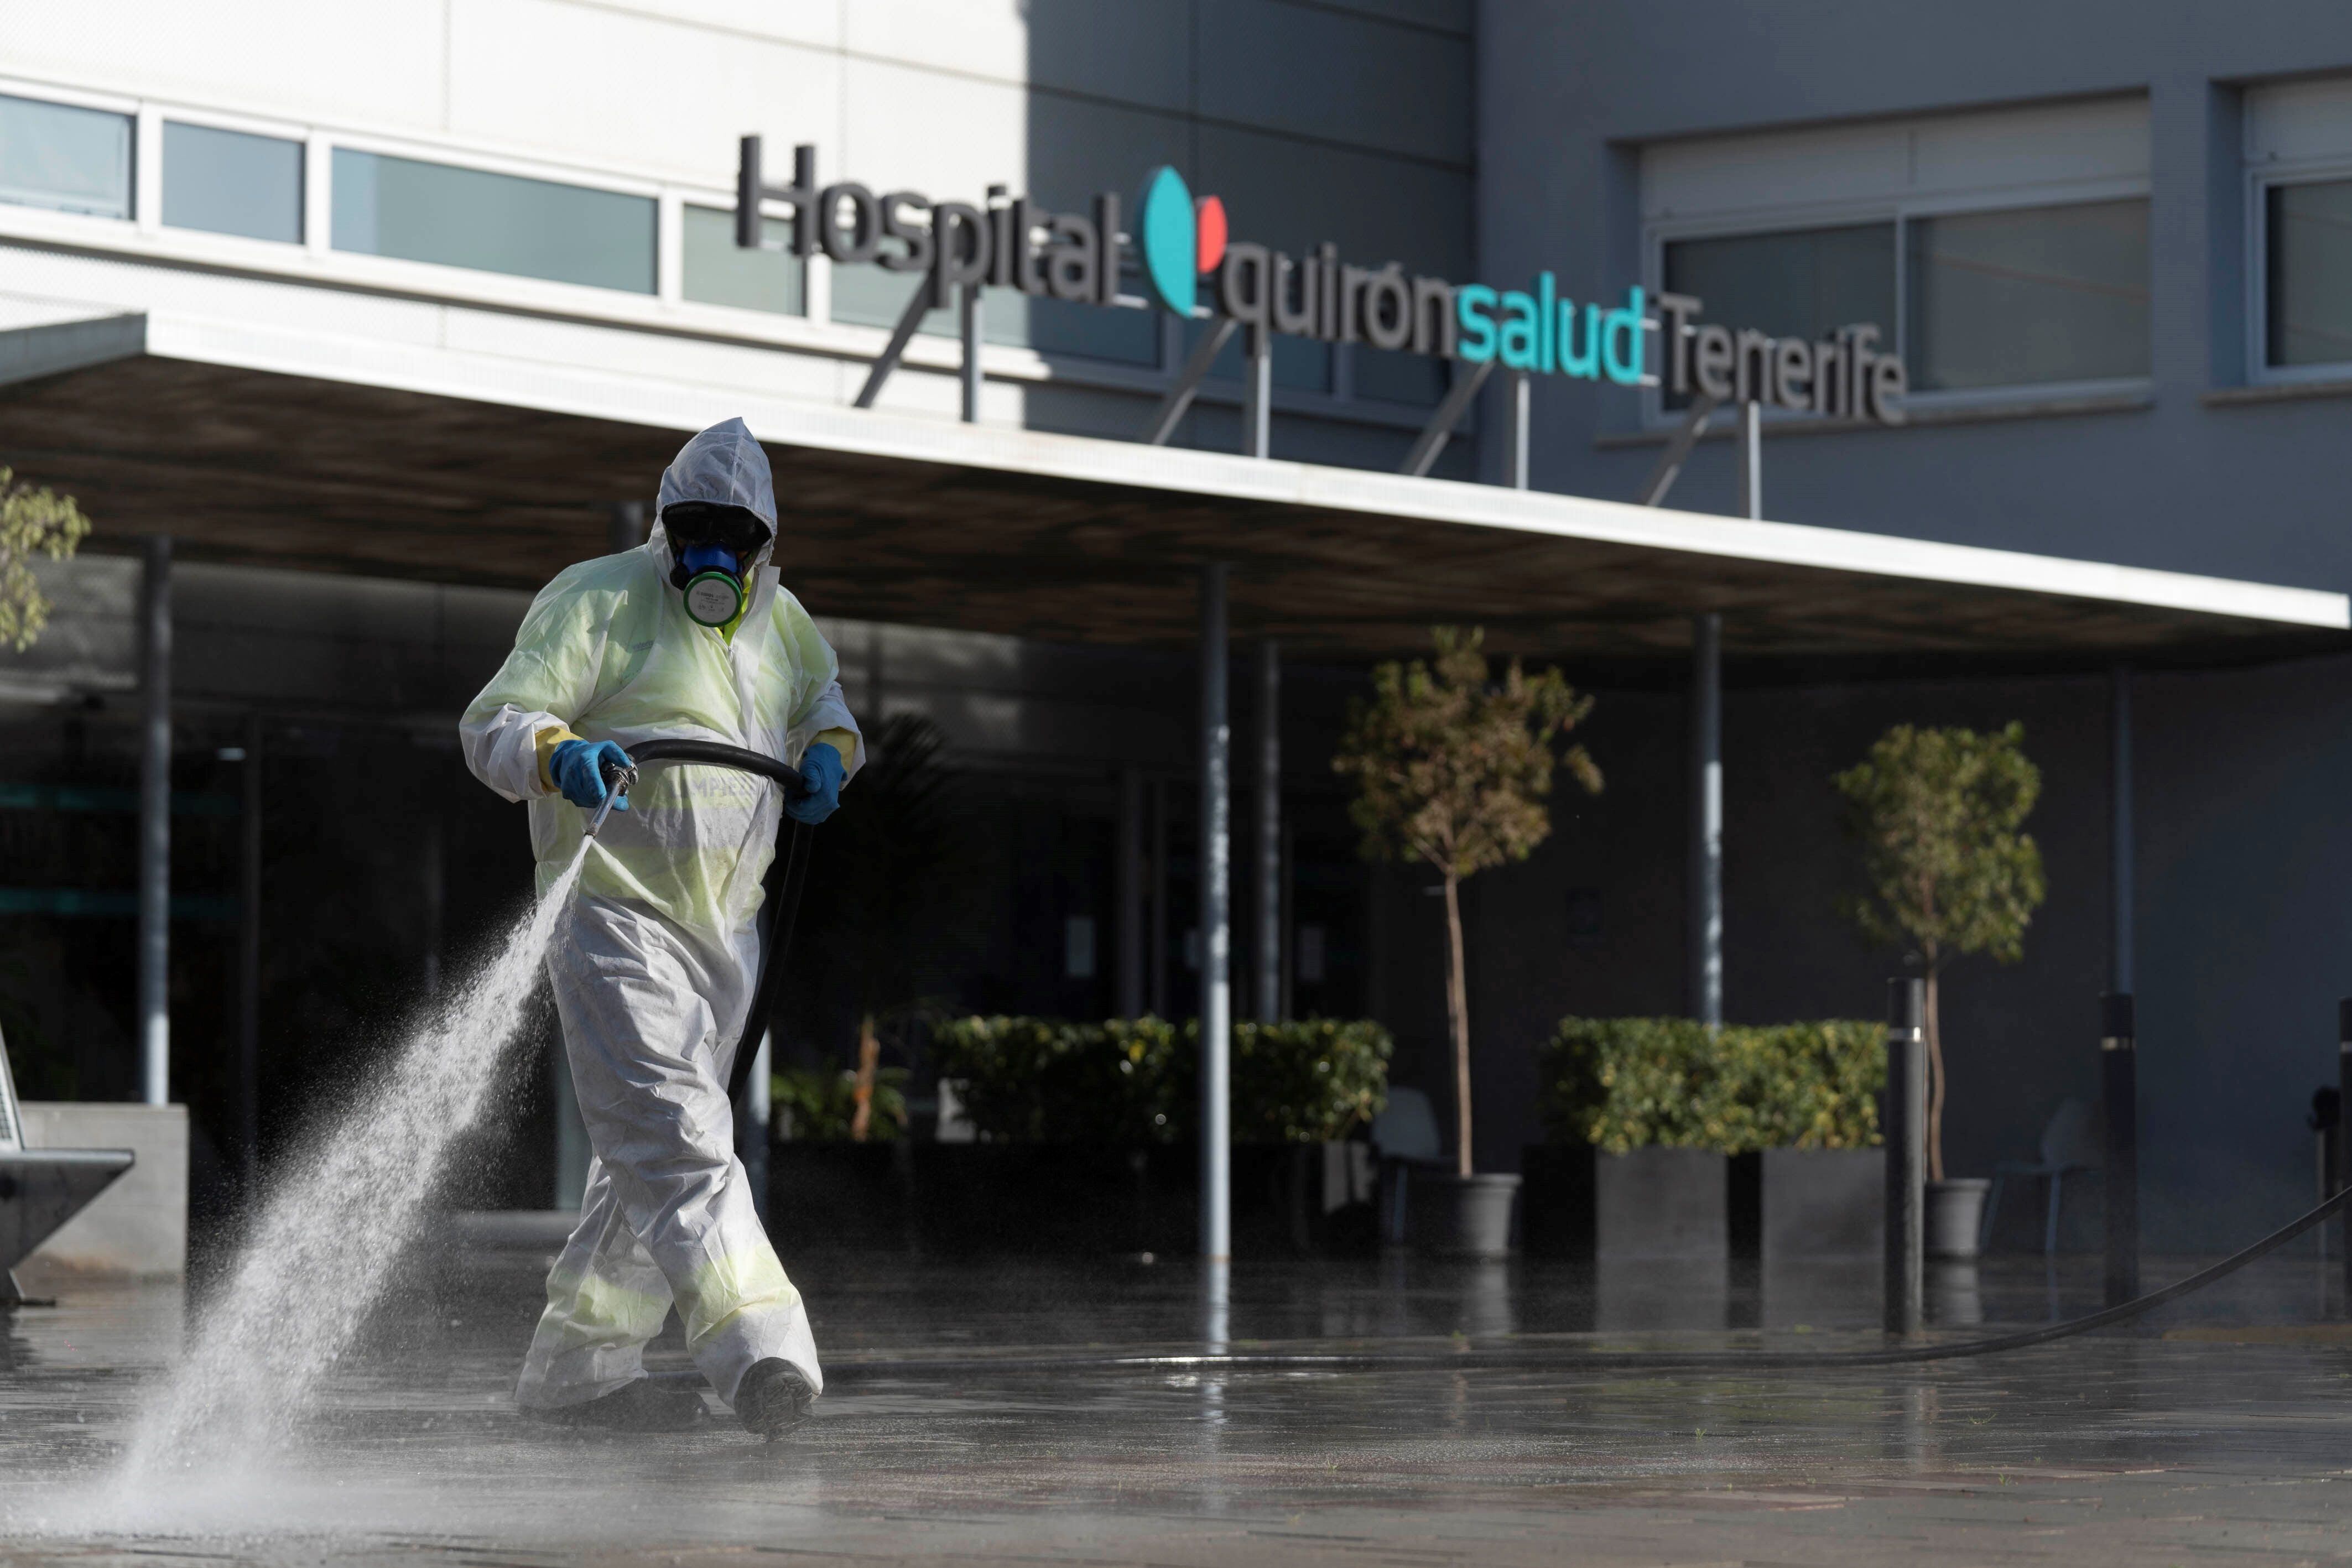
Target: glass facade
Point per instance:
(716, 271)
(67, 159)
(2033, 295)
(1392, 375)
(494, 222)
(866, 296)
(2308, 244)
(231, 183)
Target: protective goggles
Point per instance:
(709, 544)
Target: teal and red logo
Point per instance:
(1181, 238)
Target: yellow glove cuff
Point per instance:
(544, 743)
(842, 740)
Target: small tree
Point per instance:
(1452, 770)
(1938, 813)
(32, 522)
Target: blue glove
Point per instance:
(821, 771)
(578, 770)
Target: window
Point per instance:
(866, 296)
(66, 159)
(870, 297)
(1993, 250)
(2036, 295)
(230, 182)
(2307, 246)
(496, 223)
(1799, 283)
(718, 272)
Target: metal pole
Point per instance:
(1130, 970)
(1751, 459)
(249, 964)
(759, 1112)
(155, 825)
(625, 526)
(1156, 965)
(1257, 402)
(2121, 854)
(1677, 453)
(1216, 922)
(1515, 430)
(1904, 1123)
(1707, 819)
(971, 332)
(2118, 1075)
(1269, 831)
(1422, 455)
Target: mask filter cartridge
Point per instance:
(714, 594)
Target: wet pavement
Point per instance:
(2219, 1430)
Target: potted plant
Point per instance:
(1452, 770)
(1086, 1140)
(839, 1164)
(1939, 814)
(1673, 1140)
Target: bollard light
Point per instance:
(1904, 1123)
(2120, 1081)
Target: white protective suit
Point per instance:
(654, 975)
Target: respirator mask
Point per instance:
(712, 544)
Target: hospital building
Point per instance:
(2019, 387)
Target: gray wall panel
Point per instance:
(1335, 76)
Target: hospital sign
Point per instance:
(1191, 264)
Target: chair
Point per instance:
(1406, 1135)
(2065, 1149)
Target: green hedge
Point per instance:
(1622, 1083)
(1126, 1081)
(822, 1102)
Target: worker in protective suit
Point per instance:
(690, 634)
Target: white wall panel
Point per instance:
(975, 37)
(770, 373)
(137, 287)
(596, 87)
(812, 22)
(1888, 161)
(949, 137)
(378, 63)
(1131, 50)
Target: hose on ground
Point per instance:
(1537, 1358)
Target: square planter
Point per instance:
(1652, 1204)
(1075, 1199)
(1823, 1203)
(828, 1196)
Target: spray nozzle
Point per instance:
(619, 779)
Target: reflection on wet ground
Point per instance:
(2221, 1429)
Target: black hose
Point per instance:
(1536, 1359)
(787, 874)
